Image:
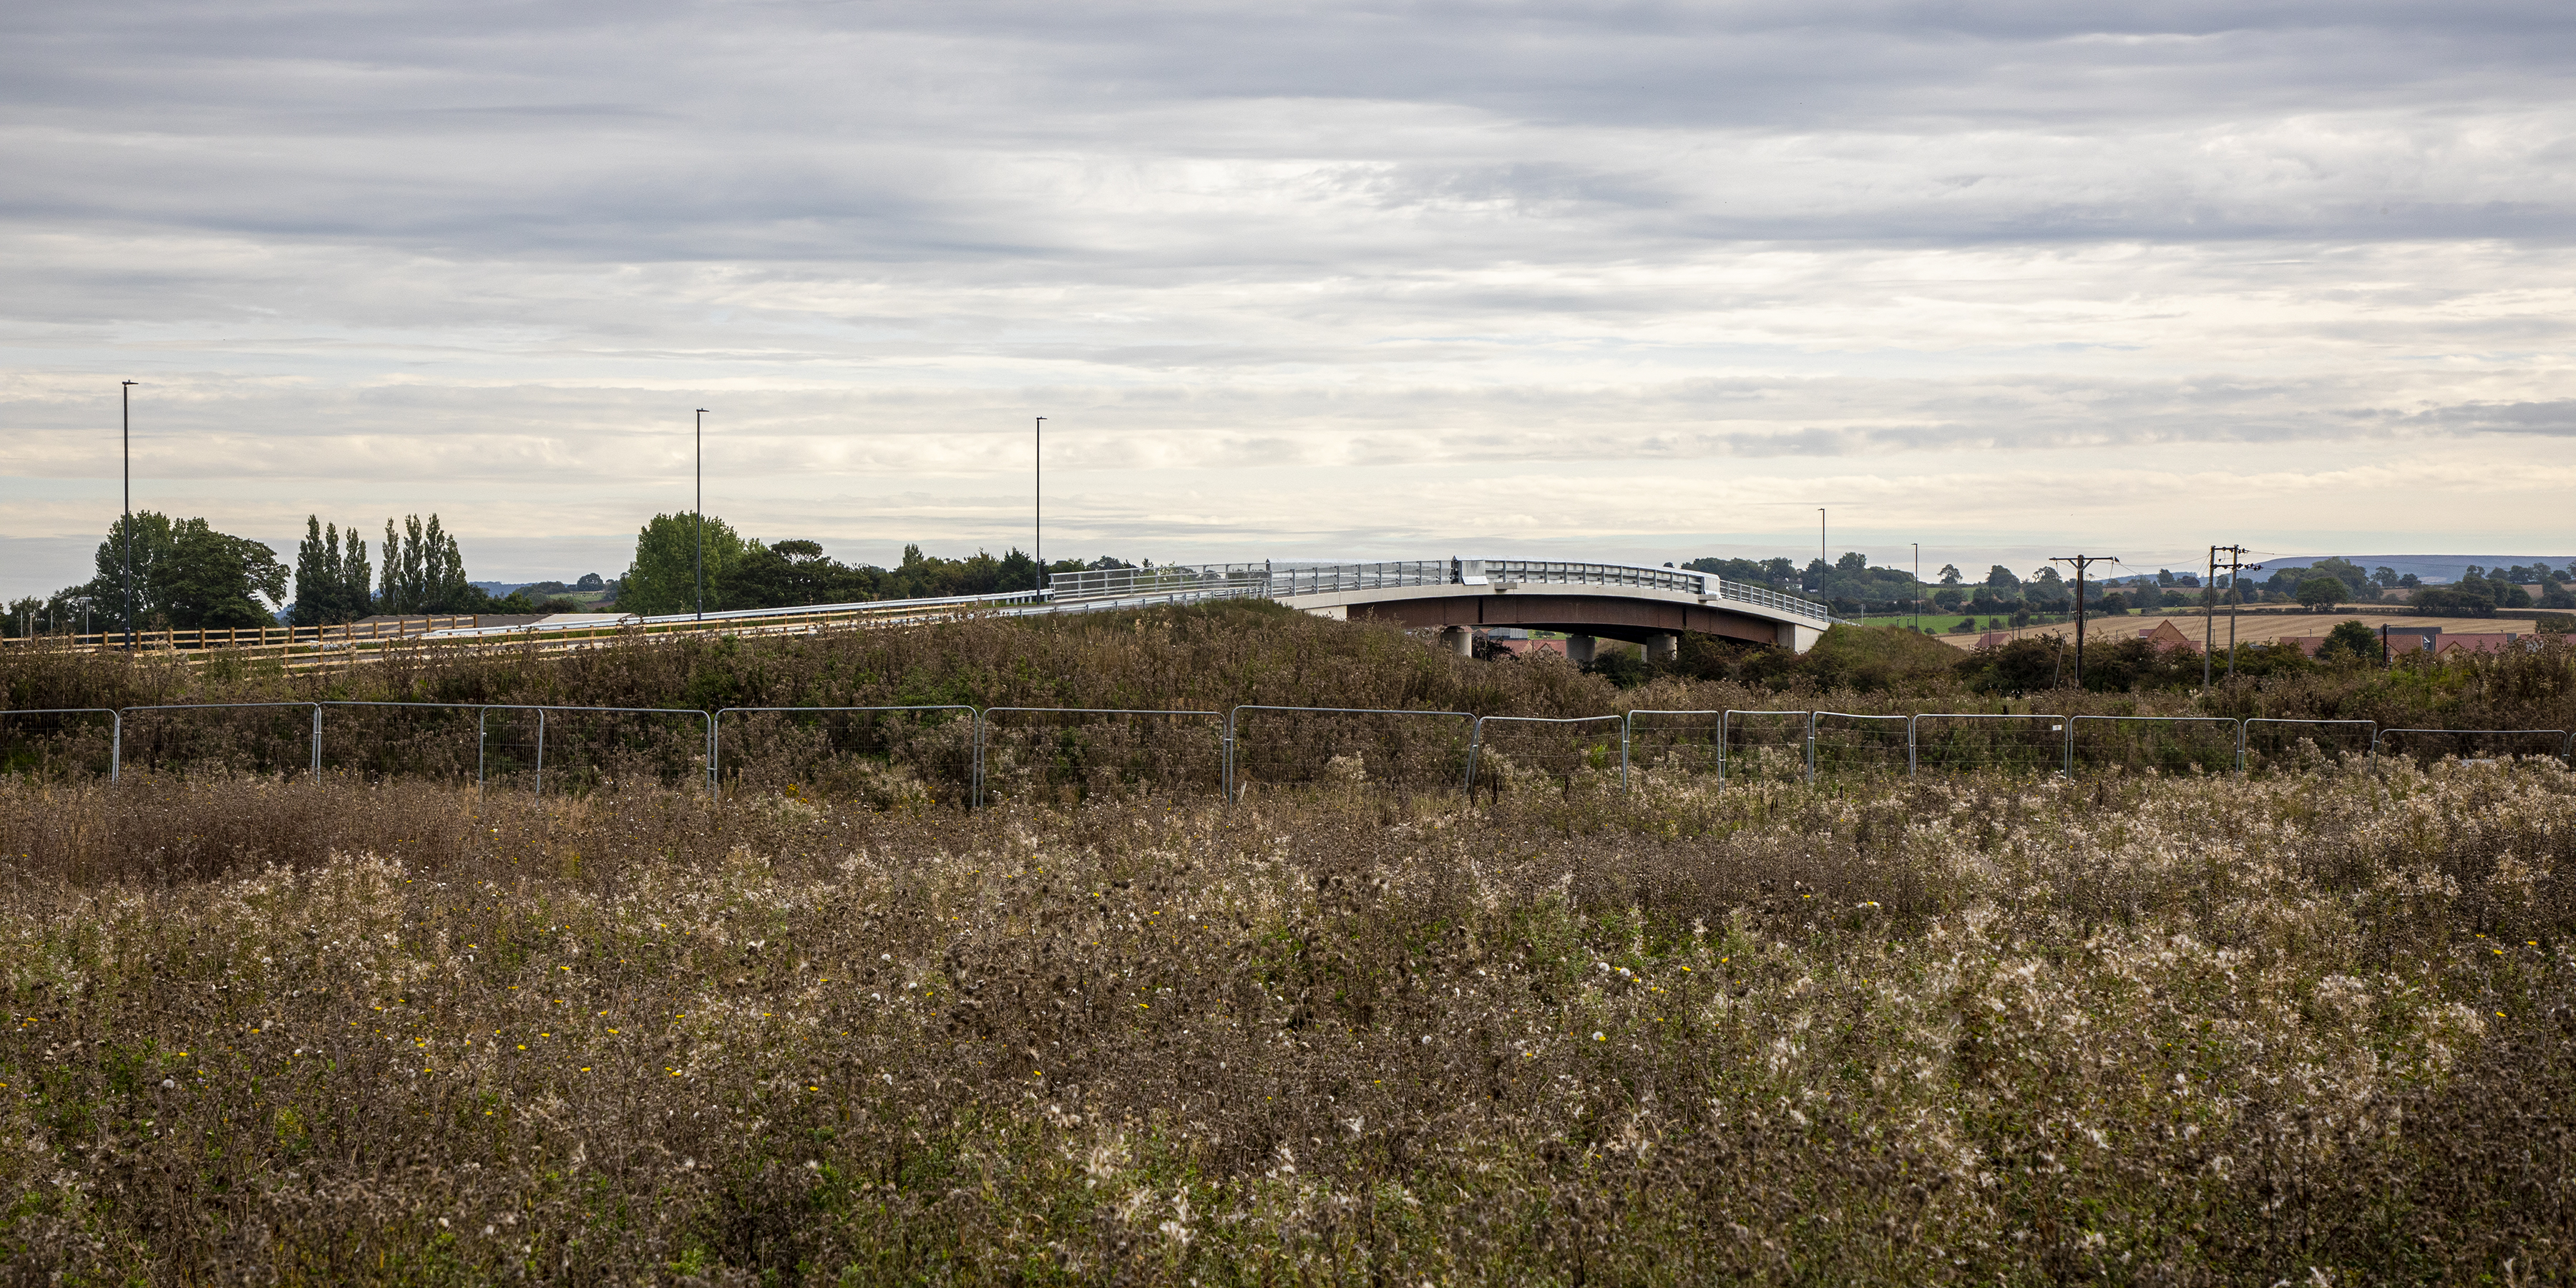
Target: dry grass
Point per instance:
(2312, 1027)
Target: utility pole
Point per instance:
(2236, 570)
(701, 514)
(129, 516)
(1918, 585)
(2080, 563)
(1823, 565)
(1038, 478)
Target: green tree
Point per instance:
(424, 571)
(2350, 640)
(331, 581)
(209, 579)
(663, 578)
(2322, 593)
(2002, 578)
(1949, 574)
(151, 531)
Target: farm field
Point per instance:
(2251, 628)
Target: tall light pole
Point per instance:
(1918, 585)
(701, 514)
(1038, 485)
(128, 393)
(1821, 564)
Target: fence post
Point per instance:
(1913, 766)
(479, 714)
(115, 744)
(541, 751)
(1475, 744)
(1623, 751)
(317, 742)
(1811, 749)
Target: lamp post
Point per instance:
(128, 393)
(700, 514)
(1918, 585)
(1821, 563)
(1037, 477)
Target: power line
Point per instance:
(2236, 570)
(2080, 563)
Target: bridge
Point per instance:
(1652, 607)
(1588, 602)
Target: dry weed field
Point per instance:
(2311, 1027)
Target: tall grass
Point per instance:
(2140, 1029)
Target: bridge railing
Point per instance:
(1771, 599)
(1551, 572)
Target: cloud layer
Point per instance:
(1361, 278)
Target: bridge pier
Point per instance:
(1663, 648)
(1456, 640)
(1581, 649)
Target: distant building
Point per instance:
(2166, 635)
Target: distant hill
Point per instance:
(2435, 568)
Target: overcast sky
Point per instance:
(1401, 280)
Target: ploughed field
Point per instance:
(2312, 1026)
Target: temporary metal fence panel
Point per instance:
(1563, 759)
(588, 759)
(508, 758)
(2028, 742)
(1085, 751)
(880, 755)
(21, 752)
(1392, 739)
(254, 745)
(1692, 747)
(2263, 739)
(2165, 744)
(1727, 722)
(2496, 743)
(379, 741)
(1868, 744)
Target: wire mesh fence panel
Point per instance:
(1401, 751)
(879, 757)
(509, 748)
(2164, 744)
(1067, 756)
(1975, 742)
(218, 739)
(1854, 746)
(1673, 745)
(1763, 746)
(590, 749)
(59, 745)
(1517, 753)
(2270, 744)
(2431, 745)
(417, 741)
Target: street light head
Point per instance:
(129, 382)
